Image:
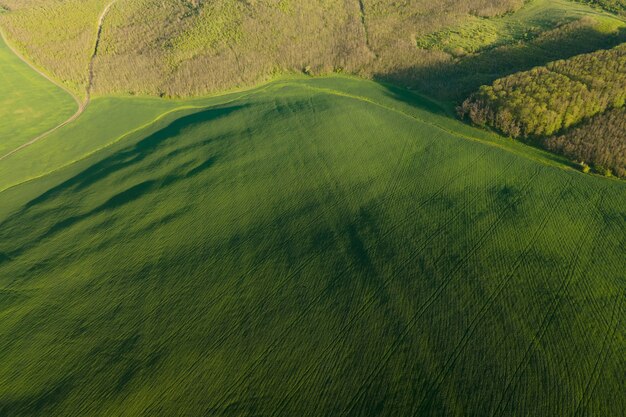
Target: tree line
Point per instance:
(600, 142)
(548, 101)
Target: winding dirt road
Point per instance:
(82, 105)
(95, 50)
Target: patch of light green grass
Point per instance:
(210, 24)
(112, 119)
(29, 104)
(106, 121)
(477, 34)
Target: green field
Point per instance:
(29, 103)
(326, 246)
(313, 247)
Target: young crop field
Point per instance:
(313, 247)
(29, 103)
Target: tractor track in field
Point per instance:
(82, 105)
(222, 402)
(569, 276)
(306, 261)
(94, 53)
(361, 312)
(467, 336)
(430, 300)
(613, 325)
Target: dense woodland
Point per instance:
(546, 100)
(601, 141)
(562, 95)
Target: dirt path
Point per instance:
(95, 50)
(82, 105)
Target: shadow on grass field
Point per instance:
(318, 247)
(455, 80)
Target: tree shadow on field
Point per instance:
(447, 84)
(37, 404)
(133, 154)
(454, 80)
(39, 211)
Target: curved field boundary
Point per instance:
(278, 84)
(79, 103)
(37, 70)
(133, 131)
(82, 105)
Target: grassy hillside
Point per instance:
(184, 47)
(315, 247)
(615, 6)
(477, 34)
(58, 36)
(29, 103)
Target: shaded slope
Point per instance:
(300, 253)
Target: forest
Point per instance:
(602, 141)
(549, 101)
